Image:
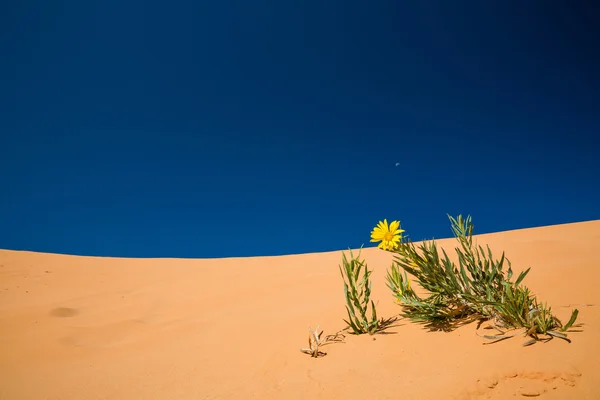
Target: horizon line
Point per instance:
(290, 254)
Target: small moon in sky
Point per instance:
(397, 164)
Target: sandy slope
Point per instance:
(108, 328)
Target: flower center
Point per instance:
(388, 237)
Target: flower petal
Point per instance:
(377, 235)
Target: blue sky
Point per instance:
(236, 128)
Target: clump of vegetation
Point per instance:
(316, 342)
(478, 289)
(357, 289)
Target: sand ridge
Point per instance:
(113, 328)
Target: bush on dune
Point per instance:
(477, 289)
(357, 290)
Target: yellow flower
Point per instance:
(388, 235)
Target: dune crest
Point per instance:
(110, 328)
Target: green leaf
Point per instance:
(522, 276)
(373, 311)
(572, 320)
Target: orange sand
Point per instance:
(109, 328)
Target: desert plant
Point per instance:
(316, 342)
(357, 290)
(478, 289)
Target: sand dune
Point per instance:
(110, 328)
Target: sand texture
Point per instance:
(110, 328)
